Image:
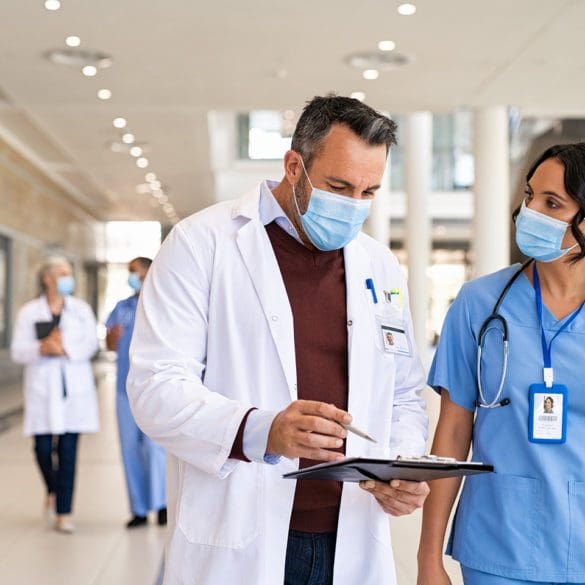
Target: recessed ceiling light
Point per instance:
(119, 123)
(73, 41)
(150, 177)
(128, 138)
(142, 162)
(52, 4)
(358, 95)
(386, 45)
(155, 185)
(407, 9)
(89, 70)
(104, 94)
(136, 151)
(371, 74)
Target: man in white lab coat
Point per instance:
(259, 329)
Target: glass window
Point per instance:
(452, 153)
(265, 134)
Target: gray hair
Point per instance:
(322, 112)
(49, 265)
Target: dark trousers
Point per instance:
(56, 457)
(309, 559)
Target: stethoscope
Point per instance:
(495, 316)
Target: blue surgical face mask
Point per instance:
(332, 221)
(539, 236)
(134, 281)
(65, 285)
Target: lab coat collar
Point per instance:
(47, 308)
(248, 205)
(360, 316)
(262, 266)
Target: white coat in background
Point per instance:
(214, 337)
(46, 411)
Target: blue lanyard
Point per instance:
(547, 347)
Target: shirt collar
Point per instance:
(270, 210)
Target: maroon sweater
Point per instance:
(315, 284)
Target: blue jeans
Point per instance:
(57, 465)
(473, 577)
(309, 559)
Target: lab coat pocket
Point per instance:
(577, 533)
(221, 512)
(499, 522)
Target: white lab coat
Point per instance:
(46, 410)
(214, 337)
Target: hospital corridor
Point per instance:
(292, 293)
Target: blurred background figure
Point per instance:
(144, 460)
(55, 338)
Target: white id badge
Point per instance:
(394, 337)
(548, 414)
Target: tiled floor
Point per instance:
(102, 551)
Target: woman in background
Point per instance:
(55, 338)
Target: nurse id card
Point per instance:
(548, 414)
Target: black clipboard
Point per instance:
(355, 469)
(43, 328)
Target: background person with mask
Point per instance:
(524, 523)
(143, 459)
(55, 337)
(256, 334)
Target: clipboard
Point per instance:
(43, 329)
(356, 469)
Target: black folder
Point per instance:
(43, 328)
(354, 469)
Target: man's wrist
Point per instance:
(256, 436)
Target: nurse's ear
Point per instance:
(293, 167)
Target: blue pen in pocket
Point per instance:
(372, 289)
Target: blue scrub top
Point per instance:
(123, 314)
(527, 520)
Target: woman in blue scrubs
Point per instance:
(525, 523)
(144, 460)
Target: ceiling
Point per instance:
(177, 60)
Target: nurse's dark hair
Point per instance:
(572, 156)
(142, 260)
(321, 113)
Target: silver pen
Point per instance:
(358, 432)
